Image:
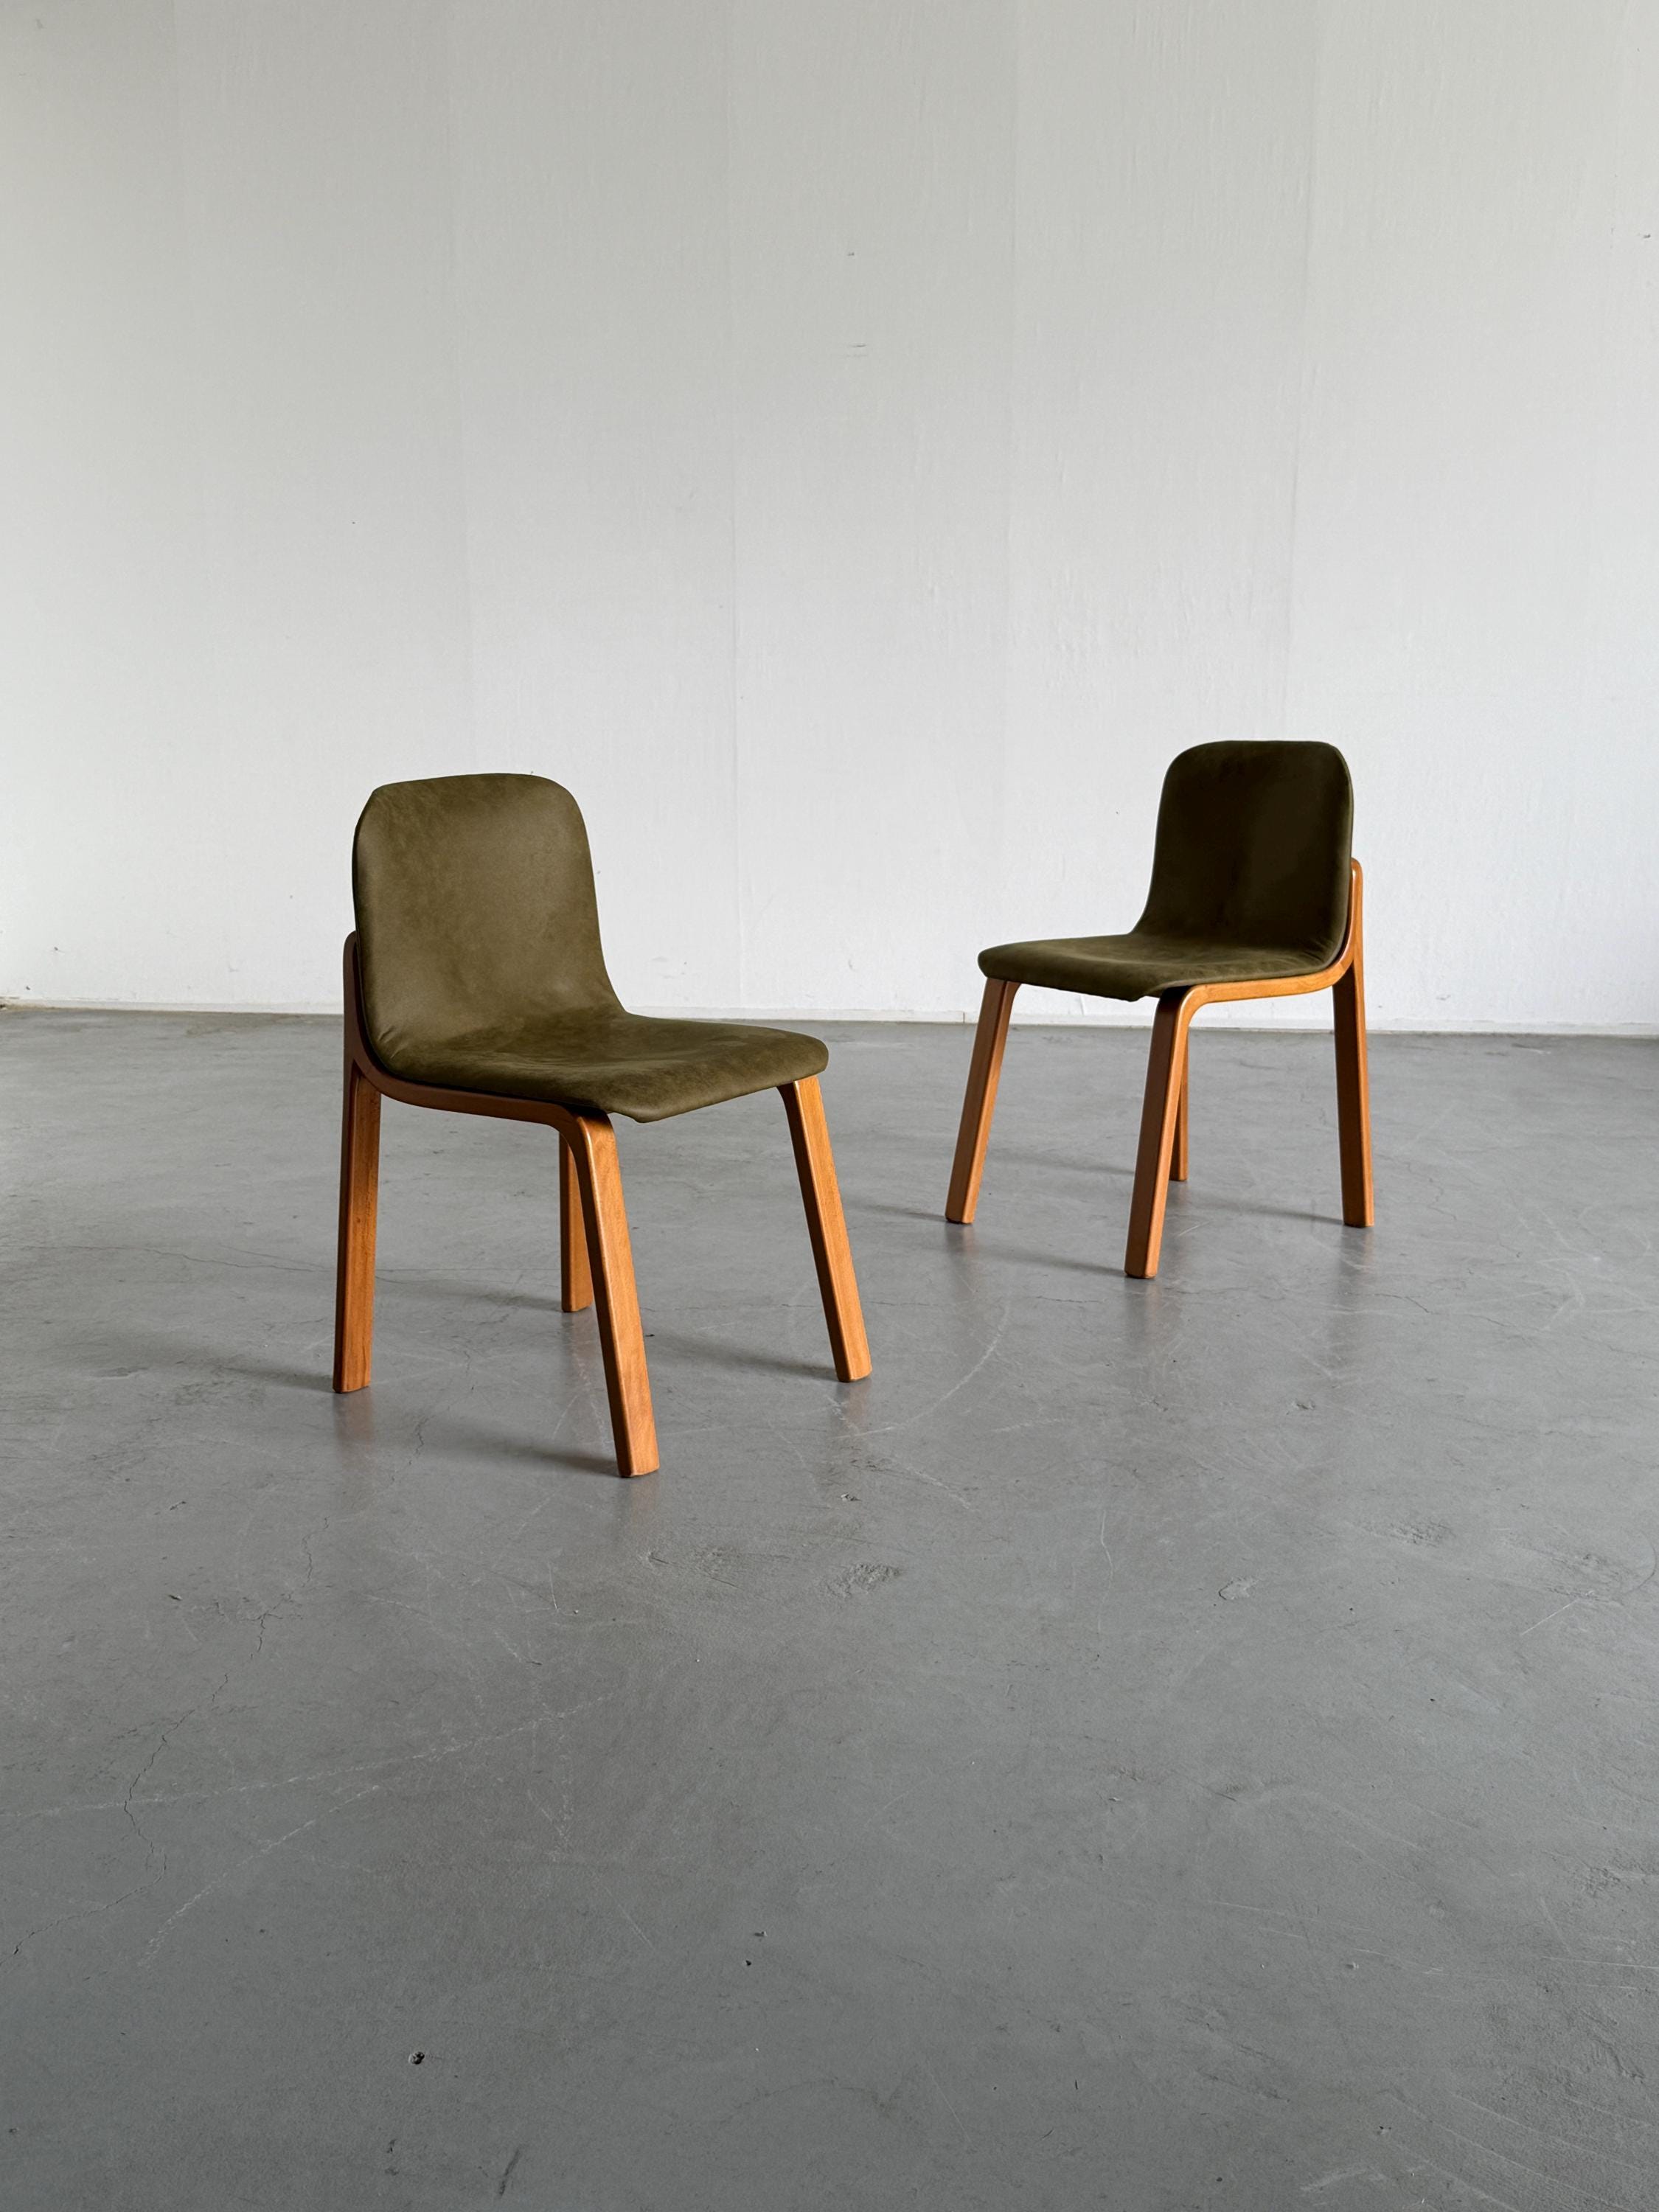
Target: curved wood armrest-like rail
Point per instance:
(596, 1255)
(1164, 1130)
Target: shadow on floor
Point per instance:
(959, 1236)
(107, 1356)
(443, 1433)
(731, 1355)
(205, 1363)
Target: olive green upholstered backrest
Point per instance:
(1253, 847)
(475, 908)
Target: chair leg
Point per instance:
(1158, 1114)
(354, 1281)
(832, 1255)
(979, 1101)
(575, 1278)
(1178, 1153)
(1353, 1093)
(611, 1261)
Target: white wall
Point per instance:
(853, 443)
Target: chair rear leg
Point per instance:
(1159, 1112)
(1178, 1155)
(575, 1278)
(611, 1261)
(1353, 1095)
(979, 1101)
(354, 1281)
(826, 1224)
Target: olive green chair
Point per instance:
(1254, 894)
(474, 983)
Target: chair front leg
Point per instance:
(575, 1278)
(1159, 1112)
(826, 1224)
(611, 1260)
(354, 1280)
(1353, 1087)
(980, 1099)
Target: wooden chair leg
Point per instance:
(1178, 1154)
(611, 1261)
(1158, 1114)
(832, 1255)
(575, 1278)
(354, 1281)
(979, 1101)
(1353, 1088)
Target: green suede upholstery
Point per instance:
(479, 934)
(1250, 880)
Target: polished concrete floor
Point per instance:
(1156, 1747)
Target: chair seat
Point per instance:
(605, 1059)
(1142, 964)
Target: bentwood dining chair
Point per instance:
(1254, 894)
(474, 983)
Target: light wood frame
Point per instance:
(1162, 1155)
(596, 1260)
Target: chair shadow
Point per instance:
(1182, 1199)
(957, 1231)
(933, 1214)
(730, 1355)
(1067, 1163)
(464, 1440)
(288, 1378)
(440, 1286)
(993, 1250)
(1210, 1204)
(154, 1355)
(696, 1347)
(198, 1363)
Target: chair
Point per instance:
(1254, 894)
(475, 984)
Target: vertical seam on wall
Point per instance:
(457, 398)
(995, 876)
(735, 731)
(1293, 526)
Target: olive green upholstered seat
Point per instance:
(1250, 880)
(1255, 894)
(475, 984)
(479, 933)
(1139, 965)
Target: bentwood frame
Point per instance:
(596, 1258)
(1163, 1152)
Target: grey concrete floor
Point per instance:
(1160, 1746)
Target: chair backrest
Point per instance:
(475, 906)
(1253, 846)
